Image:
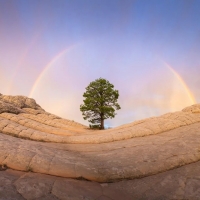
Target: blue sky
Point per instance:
(133, 44)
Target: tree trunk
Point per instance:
(102, 123)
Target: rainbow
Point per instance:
(21, 61)
(60, 54)
(46, 68)
(189, 93)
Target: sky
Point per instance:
(50, 50)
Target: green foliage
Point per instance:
(100, 102)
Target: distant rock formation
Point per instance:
(20, 102)
(54, 158)
(193, 109)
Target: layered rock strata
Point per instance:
(131, 159)
(180, 184)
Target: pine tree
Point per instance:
(100, 102)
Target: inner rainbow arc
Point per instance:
(60, 54)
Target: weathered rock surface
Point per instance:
(181, 183)
(54, 158)
(20, 101)
(9, 108)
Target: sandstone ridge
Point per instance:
(42, 154)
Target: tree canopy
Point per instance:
(100, 102)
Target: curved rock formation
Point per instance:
(146, 159)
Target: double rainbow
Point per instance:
(60, 54)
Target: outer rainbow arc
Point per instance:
(46, 68)
(191, 96)
(21, 60)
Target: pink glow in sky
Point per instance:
(52, 49)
